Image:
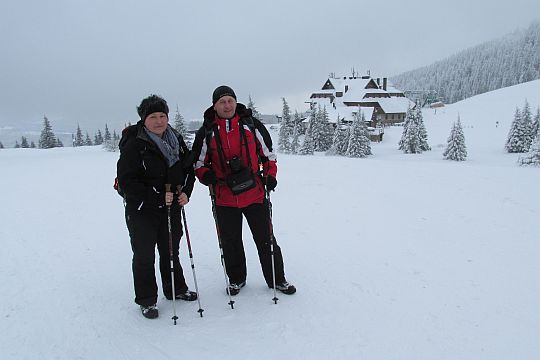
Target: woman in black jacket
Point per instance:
(153, 154)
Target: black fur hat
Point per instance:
(152, 104)
(222, 91)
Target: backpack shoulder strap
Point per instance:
(251, 125)
(213, 131)
(128, 133)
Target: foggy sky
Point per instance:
(91, 62)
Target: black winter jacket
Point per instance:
(142, 169)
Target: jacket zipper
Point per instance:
(230, 150)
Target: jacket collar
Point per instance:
(210, 114)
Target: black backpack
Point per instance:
(127, 133)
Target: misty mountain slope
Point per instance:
(507, 61)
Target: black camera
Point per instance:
(241, 178)
(236, 164)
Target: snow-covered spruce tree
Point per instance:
(535, 128)
(409, 117)
(295, 142)
(526, 117)
(24, 142)
(284, 141)
(107, 136)
(307, 146)
(59, 142)
(78, 140)
(419, 118)
(515, 143)
(329, 130)
(98, 138)
(109, 142)
(411, 141)
(322, 131)
(455, 145)
(1, 145)
(32, 145)
(340, 139)
(88, 141)
(179, 124)
(317, 131)
(346, 133)
(532, 157)
(336, 140)
(111, 145)
(17, 145)
(254, 112)
(359, 143)
(47, 139)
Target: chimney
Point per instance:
(384, 81)
(379, 82)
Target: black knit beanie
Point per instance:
(222, 91)
(152, 104)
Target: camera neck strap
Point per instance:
(243, 140)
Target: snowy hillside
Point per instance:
(510, 60)
(394, 256)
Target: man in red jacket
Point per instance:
(229, 150)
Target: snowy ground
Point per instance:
(395, 256)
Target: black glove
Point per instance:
(271, 183)
(209, 178)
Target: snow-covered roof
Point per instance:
(324, 91)
(395, 105)
(356, 95)
(359, 90)
(337, 83)
(393, 90)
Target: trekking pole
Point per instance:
(214, 212)
(200, 311)
(168, 189)
(272, 239)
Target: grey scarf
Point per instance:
(168, 145)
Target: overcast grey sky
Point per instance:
(91, 62)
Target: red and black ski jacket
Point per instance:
(207, 152)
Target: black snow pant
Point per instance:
(230, 228)
(148, 228)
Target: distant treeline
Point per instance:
(510, 60)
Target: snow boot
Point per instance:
(234, 288)
(285, 288)
(150, 312)
(186, 295)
